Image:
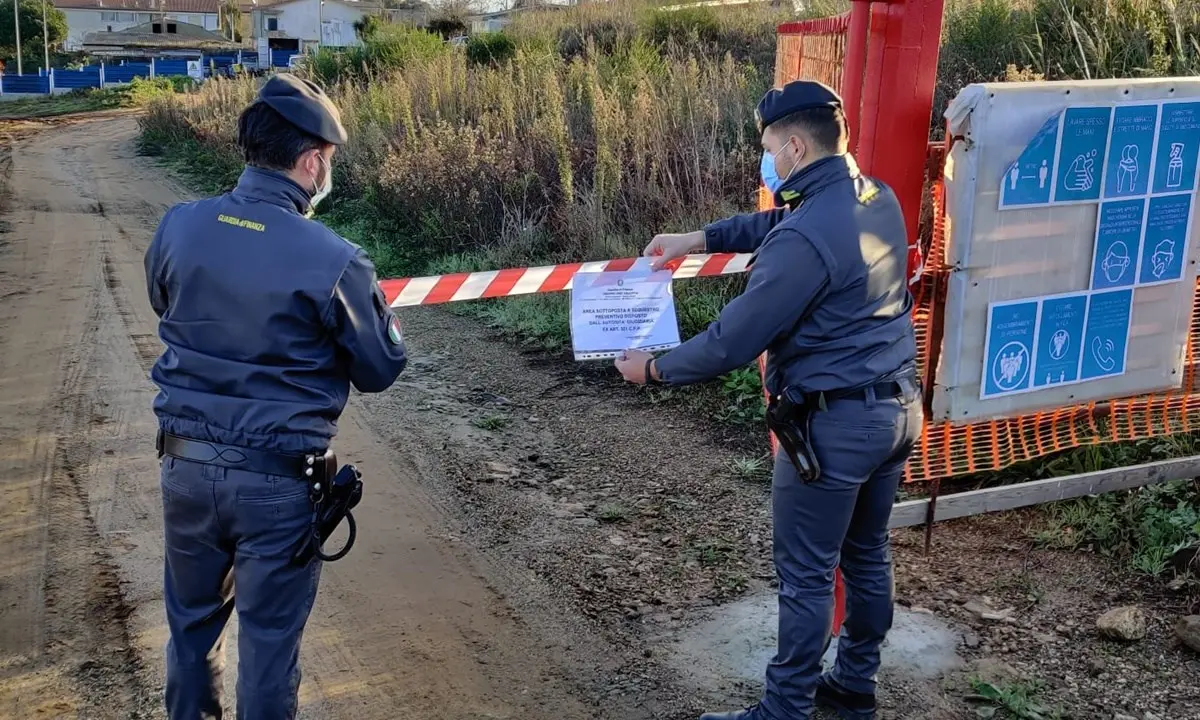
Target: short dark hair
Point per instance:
(270, 142)
(825, 126)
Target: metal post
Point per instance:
(50, 83)
(897, 99)
(45, 36)
(17, 28)
(856, 63)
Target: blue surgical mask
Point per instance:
(769, 177)
(322, 192)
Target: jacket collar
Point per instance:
(815, 177)
(275, 188)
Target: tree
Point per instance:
(367, 27)
(449, 26)
(230, 14)
(32, 52)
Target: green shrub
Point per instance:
(491, 49)
(368, 27)
(142, 91)
(685, 26)
(980, 39)
(391, 47)
(448, 26)
(1146, 528)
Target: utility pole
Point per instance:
(45, 37)
(17, 27)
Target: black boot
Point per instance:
(848, 705)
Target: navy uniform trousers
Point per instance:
(839, 519)
(229, 539)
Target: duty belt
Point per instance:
(789, 417)
(304, 467)
(882, 390)
(333, 492)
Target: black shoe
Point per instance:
(848, 705)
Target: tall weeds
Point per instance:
(606, 122)
(573, 158)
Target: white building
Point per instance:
(308, 22)
(89, 16)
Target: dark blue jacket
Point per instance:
(827, 295)
(267, 317)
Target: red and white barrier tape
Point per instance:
(435, 289)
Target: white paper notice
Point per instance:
(616, 311)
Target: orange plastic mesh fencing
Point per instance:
(816, 50)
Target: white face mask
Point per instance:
(322, 192)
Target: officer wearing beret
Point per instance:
(267, 318)
(827, 299)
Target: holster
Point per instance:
(333, 499)
(790, 422)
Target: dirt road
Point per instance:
(538, 541)
(405, 626)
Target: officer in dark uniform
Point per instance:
(267, 317)
(827, 298)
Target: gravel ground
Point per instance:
(628, 515)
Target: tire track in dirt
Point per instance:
(56, 662)
(405, 626)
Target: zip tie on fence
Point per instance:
(456, 287)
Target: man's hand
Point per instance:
(632, 366)
(665, 248)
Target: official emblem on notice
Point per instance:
(394, 333)
(616, 311)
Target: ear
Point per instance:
(312, 162)
(799, 146)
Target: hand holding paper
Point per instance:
(633, 366)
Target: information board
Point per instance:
(1166, 239)
(624, 310)
(1071, 232)
(1106, 334)
(1080, 158)
(1118, 239)
(1060, 340)
(1033, 344)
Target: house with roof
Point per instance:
(497, 20)
(410, 13)
(298, 26)
(91, 16)
(158, 40)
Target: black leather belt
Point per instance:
(240, 458)
(882, 390)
